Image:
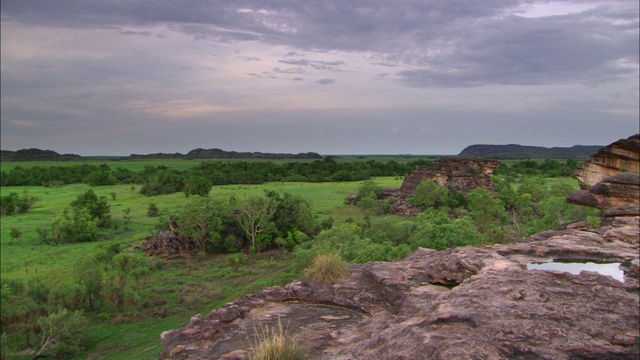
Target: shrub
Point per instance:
(274, 344)
(153, 210)
(235, 260)
(327, 268)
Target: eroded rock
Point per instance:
(460, 174)
(459, 303)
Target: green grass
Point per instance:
(176, 281)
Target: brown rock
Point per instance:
(459, 303)
(610, 180)
(621, 156)
(460, 174)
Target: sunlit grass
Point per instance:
(274, 343)
(327, 269)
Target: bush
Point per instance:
(235, 260)
(327, 268)
(274, 344)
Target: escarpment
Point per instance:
(489, 302)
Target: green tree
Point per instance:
(88, 274)
(293, 213)
(153, 210)
(256, 217)
(197, 185)
(485, 210)
(100, 178)
(79, 227)
(437, 231)
(62, 332)
(535, 186)
(97, 208)
(235, 260)
(202, 220)
(369, 189)
(428, 194)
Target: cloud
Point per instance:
(80, 65)
(325, 81)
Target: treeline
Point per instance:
(161, 179)
(546, 168)
(216, 172)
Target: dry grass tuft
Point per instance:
(327, 268)
(274, 344)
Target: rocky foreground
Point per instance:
(463, 303)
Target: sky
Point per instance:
(117, 77)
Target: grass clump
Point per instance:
(274, 344)
(327, 268)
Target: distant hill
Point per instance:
(36, 155)
(221, 154)
(513, 151)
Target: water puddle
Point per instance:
(610, 269)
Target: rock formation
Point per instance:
(621, 156)
(462, 175)
(463, 303)
(610, 180)
(167, 244)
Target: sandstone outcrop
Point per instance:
(621, 156)
(460, 174)
(463, 303)
(610, 180)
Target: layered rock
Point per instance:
(460, 174)
(621, 156)
(461, 303)
(610, 180)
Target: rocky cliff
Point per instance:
(610, 180)
(490, 302)
(462, 175)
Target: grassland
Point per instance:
(178, 289)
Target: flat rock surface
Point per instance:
(463, 303)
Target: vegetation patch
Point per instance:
(327, 269)
(274, 343)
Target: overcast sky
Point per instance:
(116, 77)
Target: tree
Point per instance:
(369, 189)
(235, 260)
(256, 214)
(153, 210)
(293, 213)
(88, 274)
(197, 185)
(97, 208)
(61, 332)
(79, 227)
(485, 210)
(429, 194)
(201, 219)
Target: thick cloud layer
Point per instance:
(368, 76)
